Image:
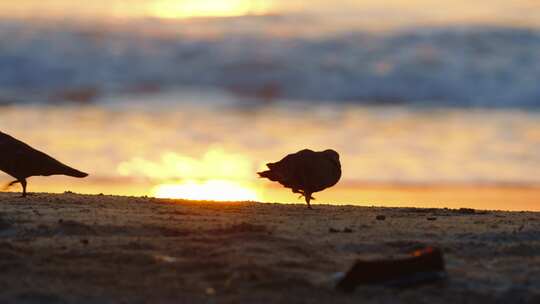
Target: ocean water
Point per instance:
(450, 66)
(212, 150)
(428, 109)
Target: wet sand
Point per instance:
(71, 248)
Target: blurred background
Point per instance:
(430, 103)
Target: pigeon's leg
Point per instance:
(308, 197)
(23, 184)
(306, 193)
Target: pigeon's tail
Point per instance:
(73, 172)
(268, 174)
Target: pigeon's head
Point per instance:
(331, 154)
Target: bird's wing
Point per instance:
(326, 174)
(291, 170)
(13, 153)
(21, 160)
(316, 172)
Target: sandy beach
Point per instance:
(71, 248)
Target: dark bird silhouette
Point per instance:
(306, 172)
(22, 161)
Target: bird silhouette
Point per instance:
(22, 161)
(306, 172)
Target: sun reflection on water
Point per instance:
(217, 175)
(390, 156)
(207, 8)
(214, 190)
(213, 164)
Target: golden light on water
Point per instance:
(213, 164)
(167, 9)
(341, 15)
(207, 8)
(213, 190)
(217, 175)
(439, 157)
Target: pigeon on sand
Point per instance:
(22, 161)
(306, 172)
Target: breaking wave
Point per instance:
(473, 66)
